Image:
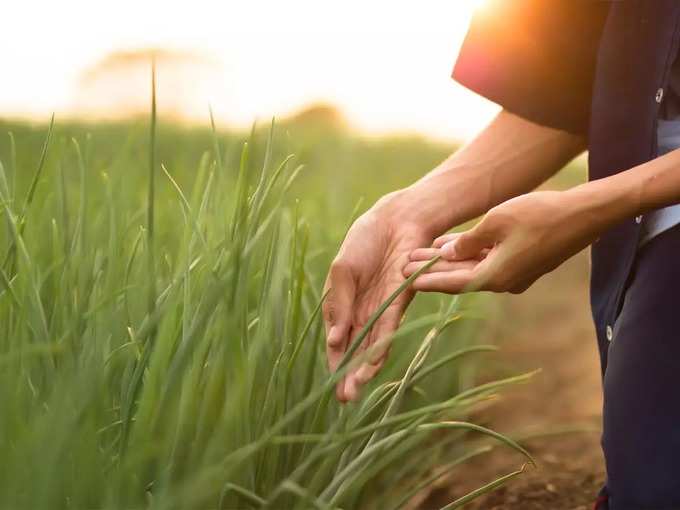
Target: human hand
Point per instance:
(510, 248)
(366, 271)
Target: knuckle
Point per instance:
(339, 268)
(466, 239)
(328, 310)
(498, 218)
(465, 236)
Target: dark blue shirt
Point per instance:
(597, 68)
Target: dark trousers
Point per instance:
(641, 438)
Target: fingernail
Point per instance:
(333, 338)
(361, 375)
(449, 250)
(351, 390)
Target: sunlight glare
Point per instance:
(385, 64)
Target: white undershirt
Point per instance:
(668, 136)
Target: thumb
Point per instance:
(470, 244)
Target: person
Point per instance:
(571, 75)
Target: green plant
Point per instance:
(162, 348)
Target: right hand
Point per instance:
(367, 269)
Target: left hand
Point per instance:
(511, 247)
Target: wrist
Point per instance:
(605, 202)
(643, 188)
(420, 206)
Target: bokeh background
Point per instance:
(385, 65)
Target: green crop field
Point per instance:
(160, 337)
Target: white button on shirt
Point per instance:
(659, 96)
(610, 333)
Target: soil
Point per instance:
(547, 327)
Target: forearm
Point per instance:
(510, 157)
(643, 188)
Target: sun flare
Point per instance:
(387, 65)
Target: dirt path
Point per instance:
(548, 327)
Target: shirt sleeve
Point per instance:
(535, 58)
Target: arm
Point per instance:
(641, 189)
(521, 240)
(511, 156)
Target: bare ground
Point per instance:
(547, 327)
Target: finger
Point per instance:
(350, 390)
(378, 348)
(352, 385)
(442, 240)
(336, 345)
(495, 274)
(365, 373)
(424, 253)
(337, 312)
(427, 254)
(370, 369)
(470, 244)
(340, 392)
(451, 282)
(441, 266)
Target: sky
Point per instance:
(385, 63)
